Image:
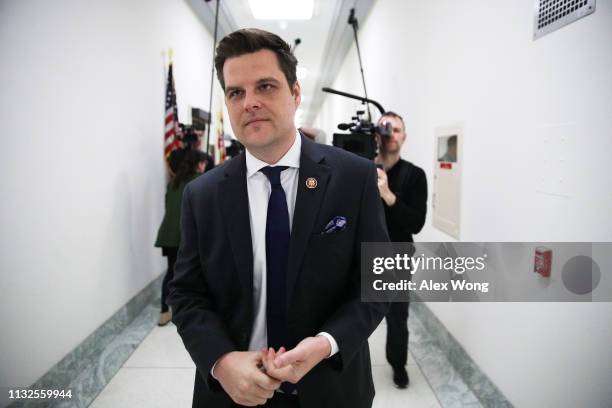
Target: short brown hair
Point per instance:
(249, 40)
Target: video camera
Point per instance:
(362, 138)
(190, 136)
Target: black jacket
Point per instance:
(211, 294)
(407, 216)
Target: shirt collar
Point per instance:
(290, 159)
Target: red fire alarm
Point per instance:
(543, 261)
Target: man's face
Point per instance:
(260, 103)
(394, 142)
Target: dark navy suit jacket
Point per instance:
(212, 291)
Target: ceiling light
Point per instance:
(282, 9)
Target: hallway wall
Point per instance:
(474, 62)
(82, 168)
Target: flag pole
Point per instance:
(212, 77)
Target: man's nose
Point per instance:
(251, 102)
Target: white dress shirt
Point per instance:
(259, 189)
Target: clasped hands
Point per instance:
(251, 377)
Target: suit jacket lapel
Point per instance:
(234, 203)
(307, 204)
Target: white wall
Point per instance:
(474, 62)
(83, 180)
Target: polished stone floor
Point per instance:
(160, 373)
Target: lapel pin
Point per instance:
(311, 182)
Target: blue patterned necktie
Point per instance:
(277, 256)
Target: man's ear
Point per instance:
(296, 91)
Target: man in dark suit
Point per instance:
(266, 294)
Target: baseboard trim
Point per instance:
(433, 342)
(88, 368)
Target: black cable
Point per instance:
(296, 42)
(353, 22)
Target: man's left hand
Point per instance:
(294, 364)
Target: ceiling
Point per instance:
(325, 40)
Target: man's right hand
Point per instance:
(242, 379)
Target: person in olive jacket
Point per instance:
(192, 165)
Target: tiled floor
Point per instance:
(160, 373)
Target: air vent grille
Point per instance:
(554, 14)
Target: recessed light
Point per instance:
(282, 9)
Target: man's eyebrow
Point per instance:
(229, 89)
(267, 79)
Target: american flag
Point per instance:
(171, 140)
(220, 138)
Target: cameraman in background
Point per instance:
(190, 139)
(403, 189)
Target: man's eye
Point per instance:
(233, 94)
(265, 87)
